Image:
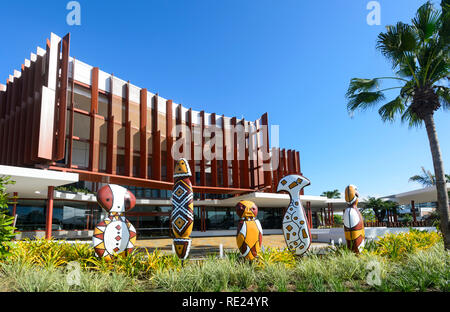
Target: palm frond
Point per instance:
(444, 33)
(364, 100)
(361, 84)
(390, 110)
(427, 21)
(444, 96)
(411, 119)
(396, 41)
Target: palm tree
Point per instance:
(427, 178)
(332, 194)
(419, 54)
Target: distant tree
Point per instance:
(377, 206)
(368, 215)
(380, 208)
(331, 194)
(338, 220)
(427, 178)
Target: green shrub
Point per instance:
(396, 246)
(6, 221)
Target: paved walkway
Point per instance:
(207, 245)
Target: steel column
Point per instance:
(49, 216)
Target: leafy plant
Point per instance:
(399, 245)
(6, 221)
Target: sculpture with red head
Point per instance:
(115, 235)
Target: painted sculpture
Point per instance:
(353, 221)
(115, 235)
(249, 230)
(182, 215)
(295, 224)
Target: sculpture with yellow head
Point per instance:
(182, 215)
(249, 230)
(353, 220)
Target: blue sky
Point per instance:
(290, 58)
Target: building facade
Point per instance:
(60, 114)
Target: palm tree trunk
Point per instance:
(442, 195)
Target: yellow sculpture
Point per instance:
(249, 230)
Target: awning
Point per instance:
(34, 183)
(423, 195)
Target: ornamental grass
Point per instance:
(414, 261)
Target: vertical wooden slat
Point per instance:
(245, 161)
(213, 151)
(260, 154)
(181, 131)
(93, 137)
(202, 160)
(128, 149)
(143, 134)
(280, 172)
(296, 167)
(169, 141)
(235, 162)
(10, 136)
(192, 160)
(5, 122)
(265, 128)
(29, 113)
(225, 158)
(111, 155)
(36, 114)
(17, 139)
(60, 148)
(23, 116)
(156, 142)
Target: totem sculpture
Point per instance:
(295, 224)
(182, 215)
(249, 230)
(353, 221)
(115, 235)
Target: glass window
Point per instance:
(80, 153)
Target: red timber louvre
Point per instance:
(156, 139)
(113, 128)
(169, 141)
(235, 162)
(225, 154)
(244, 163)
(61, 104)
(213, 151)
(202, 160)
(143, 134)
(192, 146)
(71, 117)
(29, 108)
(94, 138)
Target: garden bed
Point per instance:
(414, 261)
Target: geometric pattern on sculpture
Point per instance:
(182, 213)
(114, 235)
(295, 225)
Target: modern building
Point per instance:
(419, 203)
(62, 118)
(67, 128)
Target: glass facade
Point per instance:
(149, 220)
(227, 219)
